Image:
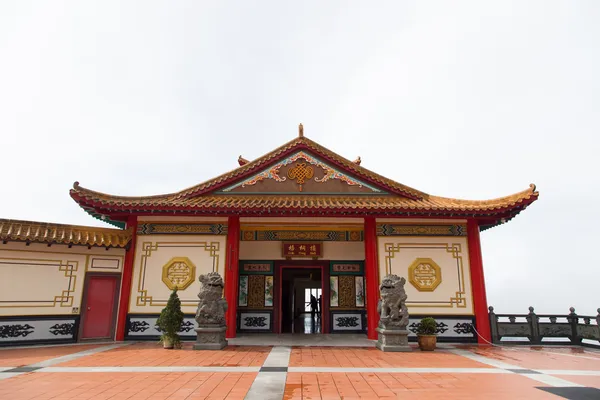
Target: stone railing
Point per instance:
(532, 328)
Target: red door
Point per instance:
(99, 307)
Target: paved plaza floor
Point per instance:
(143, 370)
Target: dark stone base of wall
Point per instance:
(38, 329)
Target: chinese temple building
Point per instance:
(298, 222)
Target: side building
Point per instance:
(300, 221)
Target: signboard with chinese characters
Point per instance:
(302, 249)
(256, 267)
(346, 268)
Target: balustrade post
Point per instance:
(534, 326)
(574, 321)
(598, 322)
(494, 325)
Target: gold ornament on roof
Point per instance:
(300, 173)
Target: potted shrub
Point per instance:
(169, 322)
(426, 334)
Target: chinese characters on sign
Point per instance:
(302, 249)
(346, 268)
(256, 267)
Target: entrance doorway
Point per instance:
(301, 305)
(99, 306)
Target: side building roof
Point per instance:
(44, 232)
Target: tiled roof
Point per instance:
(314, 202)
(401, 200)
(43, 232)
(246, 169)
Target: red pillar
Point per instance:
(126, 279)
(478, 282)
(231, 274)
(371, 276)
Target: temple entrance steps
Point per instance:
(290, 339)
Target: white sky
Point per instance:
(460, 99)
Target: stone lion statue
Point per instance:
(392, 310)
(212, 305)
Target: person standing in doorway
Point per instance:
(320, 309)
(313, 306)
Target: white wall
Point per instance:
(451, 254)
(149, 294)
(42, 280)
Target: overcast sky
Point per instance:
(471, 100)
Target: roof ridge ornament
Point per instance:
(242, 161)
(300, 131)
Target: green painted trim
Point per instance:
(118, 224)
(245, 262)
(360, 263)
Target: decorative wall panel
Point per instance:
(243, 292)
(256, 291)
(457, 329)
(268, 291)
(255, 321)
(302, 172)
(38, 329)
(140, 327)
(249, 234)
(39, 280)
(105, 264)
(333, 291)
(59, 278)
(424, 274)
(150, 292)
(179, 273)
(346, 293)
(360, 291)
(452, 295)
(421, 230)
(348, 321)
(181, 229)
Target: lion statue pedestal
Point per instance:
(210, 334)
(392, 334)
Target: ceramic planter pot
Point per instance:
(167, 343)
(427, 342)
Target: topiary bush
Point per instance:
(427, 326)
(170, 320)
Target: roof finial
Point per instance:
(242, 161)
(300, 130)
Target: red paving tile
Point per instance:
(411, 386)
(543, 358)
(153, 355)
(20, 357)
(207, 385)
(589, 381)
(115, 386)
(373, 358)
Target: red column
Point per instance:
(231, 274)
(126, 281)
(371, 276)
(478, 282)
